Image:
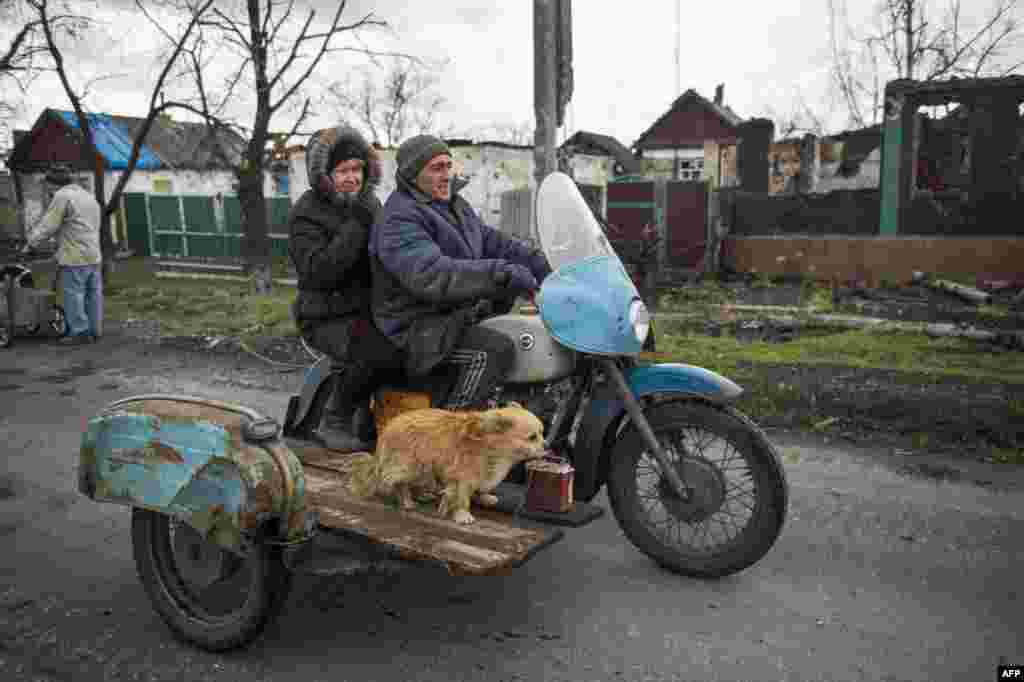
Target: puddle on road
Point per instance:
(4, 372)
(9, 387)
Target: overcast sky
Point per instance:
(770, 57)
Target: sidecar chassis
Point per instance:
(224, 470)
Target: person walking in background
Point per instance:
(74, 216)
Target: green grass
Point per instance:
(707, 293)
(185, 307)
(912, 353)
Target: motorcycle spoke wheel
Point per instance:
(737, 492)
(723, 493)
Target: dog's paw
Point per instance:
(463, 517)
(487, 500)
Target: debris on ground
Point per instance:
(969, 294)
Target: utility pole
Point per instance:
(677, 85)
(545, 24)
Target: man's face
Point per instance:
(348, 176)
(435, 178)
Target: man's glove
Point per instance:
(539, 266)
(520, 279)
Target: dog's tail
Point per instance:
(364, 479)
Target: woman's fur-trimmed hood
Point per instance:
(318, 155)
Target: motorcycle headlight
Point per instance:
(640, 319)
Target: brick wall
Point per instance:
(874, 258)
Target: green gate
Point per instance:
(197, 225)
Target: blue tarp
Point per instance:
(114, 142)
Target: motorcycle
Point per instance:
(227, 505)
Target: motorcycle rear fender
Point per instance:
(606, 410)
(219, 467)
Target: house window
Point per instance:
(162, 185)
(691, 169)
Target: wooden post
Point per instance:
(897, 155)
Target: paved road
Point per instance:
(877, 576)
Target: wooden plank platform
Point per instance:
(494, 544)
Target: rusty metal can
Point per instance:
(549, 483)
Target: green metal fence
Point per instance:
(197, 225)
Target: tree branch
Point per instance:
(154, 109)
(365, 21)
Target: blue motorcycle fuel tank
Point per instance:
(585, 306)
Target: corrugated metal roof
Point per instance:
(187, 144)
(589, 141)
(113, 141)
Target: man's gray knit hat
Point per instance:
(416, 152)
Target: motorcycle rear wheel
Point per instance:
(196, 614)
(739, 493)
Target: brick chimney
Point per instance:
(719, 93)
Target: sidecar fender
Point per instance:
(604, 413)
(220, 468)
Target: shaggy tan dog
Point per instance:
(458, 454)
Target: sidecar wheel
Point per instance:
(207, 596)
(739, 493)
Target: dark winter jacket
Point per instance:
(432, 261)
(328, 236)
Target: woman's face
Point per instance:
(348, 176)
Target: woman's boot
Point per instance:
(338, 430)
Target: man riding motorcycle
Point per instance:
(434, 261)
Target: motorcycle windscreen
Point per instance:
(585, 306)
(568, 232)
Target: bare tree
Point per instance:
(26, 52)
(270, 52)
(798, 120)
(91, 158)
(917, 46)
(403, 102)
(914, 39)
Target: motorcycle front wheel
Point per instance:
(208, 597)
(738, 494)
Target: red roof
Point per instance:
(692, 120)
